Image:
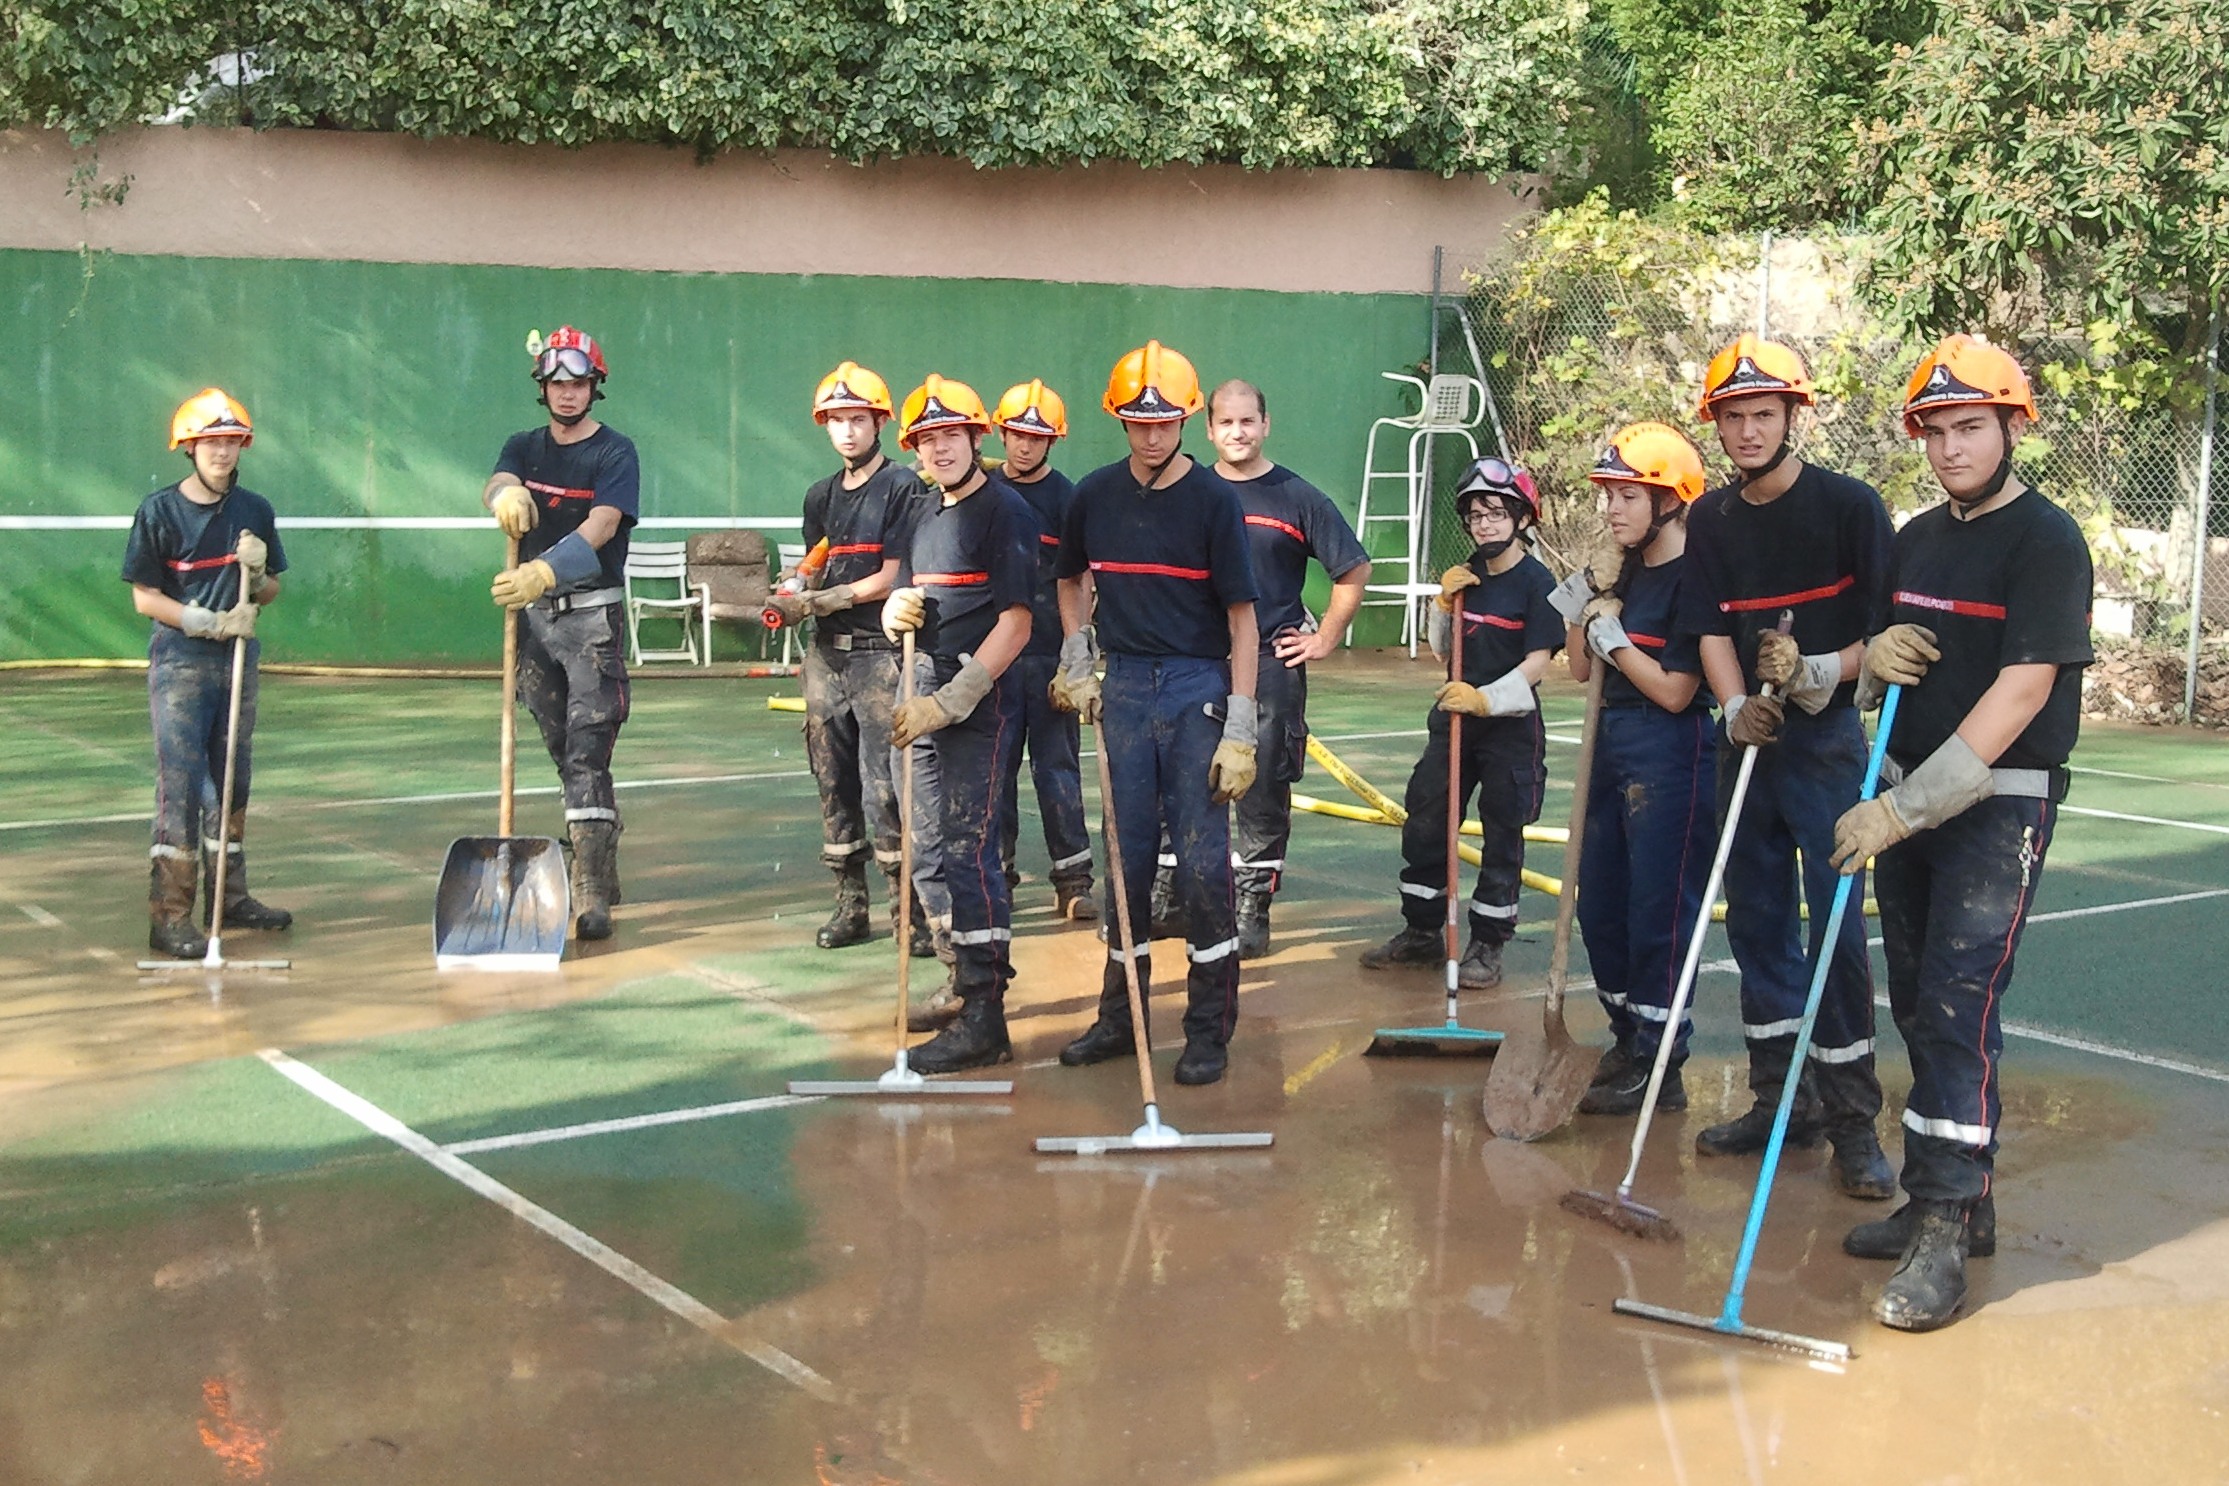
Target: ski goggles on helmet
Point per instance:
(564, 364)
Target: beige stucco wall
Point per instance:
(232, 193)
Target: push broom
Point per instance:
(1153, 1135)
(1728, 1321)
(1619, 1209)
(901, 1082)
(214, 959)
(1450, 1039)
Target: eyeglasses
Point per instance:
(566, 363)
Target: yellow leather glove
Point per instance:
(1075, 686)
(1461, 696)
(1778, 659)
(1865, 830)
(903, 612)
(1230, 774)
(917, 719)
(1452, 584)
(515, 588)
(1901, 654)
(515, 510)
(255, 558)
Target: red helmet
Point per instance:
(1492, 476)
(567, 356)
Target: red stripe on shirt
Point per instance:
(1787, 600)
(194, 565)
(1048, 539)
(1647, 642)
(952, 580)
(562, 492)
(1152, 570)
(1951, 606)
(1496, 620)
(854, 549)
(1274, 524)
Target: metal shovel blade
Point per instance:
(502, 904)
(1537, 1082)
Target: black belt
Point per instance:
(851, 640)
(594, 598)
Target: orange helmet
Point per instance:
(850, 386)
(940, 403)
(1654, 454)
(1153, 384)
(1750, 366)
(210, 414)
(1033, 407)
(568, 355)
(1966, 371)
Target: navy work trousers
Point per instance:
(1054, 740)
(189, 699)
(972, 757)
(573, 679)
(1505, 762)
(1262, 819)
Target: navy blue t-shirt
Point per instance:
(864, 527)
(2008, 588)
(568, 481)
(1289, 521)
(1506, 616)
(1168, 563)
(1820, 550)
(976, 559)
(186, 550)
(1048, 498)
(1650, 615)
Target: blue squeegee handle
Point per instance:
(1729, 1316)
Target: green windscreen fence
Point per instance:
(382, 392)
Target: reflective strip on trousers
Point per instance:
(1973, 1135)
(1212, 953)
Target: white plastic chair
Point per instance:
(1448, 405)
(657, 564)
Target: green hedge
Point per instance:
(1445, 85)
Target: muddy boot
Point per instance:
(1072, 898)
(1167, 918)
(848, 924)
(1613, 1065)
(170, 895)
(1409, 947)
(1860, 1169)
(1623, 1094)
(1929, 1287)
(936, 1013)
(920, 935)
(1202, 1061)
(1253, 925)
(975, 1039)
(1749, 1134)
(1480, 967)
(240, 910)
(1889, 1237)
(595, 864)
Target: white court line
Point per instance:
(629, 1122)
(2146, 820)
(602, 1255)
(2146, 778)
(39, 916)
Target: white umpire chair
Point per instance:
(663, 568)
(1400, 495)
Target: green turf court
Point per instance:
(364, 1222)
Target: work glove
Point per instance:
(1461, 696)
(1754, 721)
(903, 611)
(515, 510)
(1807, 680)
(822, 602)
(1452, 584)
(1952, 778)
(255, 558)
(515, 588)
(1230, 773)
(1606, 636)
(235, 623)
(1075, 686)
(791, 606)
(1901, 654)
(1605, 561)
(1569, 598)
(954, 701)
(1505, 696)
(1600, 605)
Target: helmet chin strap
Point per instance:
(1160, 469)
(853, 464)
(1787, 442)
(1996, 482)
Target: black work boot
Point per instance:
(1253, 925)
(848, 924)
(1860, 1168)
(936, 1013)
(1202, 1061)
(1748, 1135)
(921, 934)
(1623, 1094)
(1167, 918)
(976, 1038)
(1889, 1237)
(240, 910)
(1612, 1065)
(1480, 967)
(1412, 946)
(1072, 898)
(1929, 1287)
(170, 895)
(1107, 1037)
(595, 865)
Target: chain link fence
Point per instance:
(1571, 347)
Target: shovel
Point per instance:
(1536, 1086)
(503, 899)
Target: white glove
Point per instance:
(1606, 636)
(1509, 694)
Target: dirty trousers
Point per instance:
(1505, 762)
(189, 699)
(573, 680)
(849, 697)
(972, 758)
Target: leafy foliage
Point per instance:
(1442, 85)
(2042, 156)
